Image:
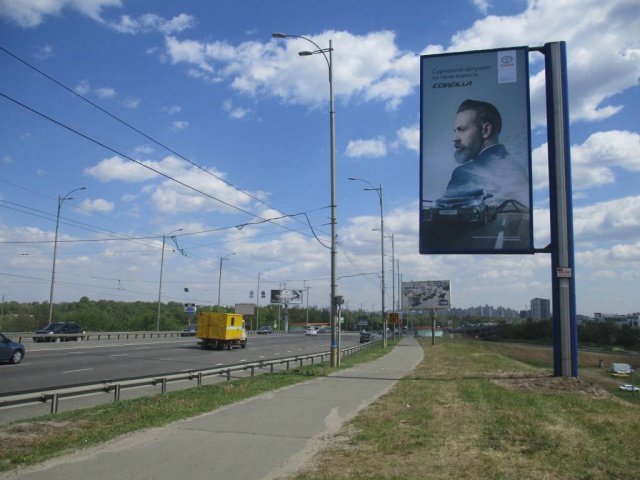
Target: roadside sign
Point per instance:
(393, 318)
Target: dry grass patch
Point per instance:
(476, 411)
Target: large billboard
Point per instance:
(289, 297)
(427, 295)
(475, 152)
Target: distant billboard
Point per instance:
(475, 152)
(288, 297)
(427, 295)
(190, 308)
(246, 308)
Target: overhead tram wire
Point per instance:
(71, 223)
(106, 112)
(91, 228)
(86, 137)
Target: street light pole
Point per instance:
(382, 286)
(164, 239)
(2, 311)
(222, 259)
(335, 357)
(55, 247)
(258, 300)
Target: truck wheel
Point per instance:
(243, 344)
(229, 346)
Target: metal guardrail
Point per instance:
(116, 386)
(22, 337)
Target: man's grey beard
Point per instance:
(464, 154)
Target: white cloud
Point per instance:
(98, 205)
(131, 103)
(608, 221)
(168, 196)
(115, 168)
(367, 148)
(603, 48)
(180, 125)
(603, 58)
(106, 92)
(236, 113)
(367, 67)
(187, 51)
(31, 13)
(144, 149)
(593, 163)
(409, 137)
(482, 6)
(82, 88)
(6, 159)
(173, 109)
(43, 53)
(150, 22)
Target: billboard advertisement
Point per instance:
(427, 295)
(289, 297)
(245, 308)
(475, 152)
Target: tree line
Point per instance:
(115, 316)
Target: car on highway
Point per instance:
(468, 206)
(50, 332)
(366, 336)
(190, 331)
(311, 332)
(629, 388)
(265, 329)
(10, 351)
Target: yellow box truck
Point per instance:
(221, 330)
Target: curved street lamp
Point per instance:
(61, 200)
(382, 286)
(164, 239)
(222, 259)
(335, 357)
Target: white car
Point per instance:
(629, 388)
(311, 332)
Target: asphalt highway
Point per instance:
(52, 365)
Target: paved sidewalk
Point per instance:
(266, 437)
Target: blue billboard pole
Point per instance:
(565, 335)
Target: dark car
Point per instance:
(469, 206)
(59, 332)
(265, 329)
(10, 351)
(190, 331)
(366, 337)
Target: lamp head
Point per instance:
(305, 53)
(278, 35)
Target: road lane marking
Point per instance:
(76, 371)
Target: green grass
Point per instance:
(464, 413)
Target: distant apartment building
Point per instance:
(540, 308)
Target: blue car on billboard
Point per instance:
(476, 206)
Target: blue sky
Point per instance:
(232, 128)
